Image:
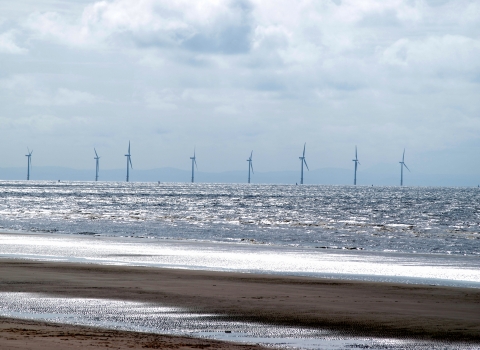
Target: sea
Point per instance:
(432, 220)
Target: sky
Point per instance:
(228, 77)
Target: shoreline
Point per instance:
(375, 309)
(38, 335)
(401, 268)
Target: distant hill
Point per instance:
(378, 176)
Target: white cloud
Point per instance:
(61, 97)
(165, 100)
(436, 55)
(8, 44)
(193, 25)
(37, 94)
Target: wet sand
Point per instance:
(24, 334)
(349, 307)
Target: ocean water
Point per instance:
(377, 219)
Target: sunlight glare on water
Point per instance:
(154, 318)
(420, 219)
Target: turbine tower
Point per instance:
(194, 164)
(97, 164)
(29, 162)
(250, 166)
(402, 164)
(357, 162)
(302, 160)
(129, 162)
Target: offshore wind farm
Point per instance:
(194, 166)
(380, 175)
(325, 175)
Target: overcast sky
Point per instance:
(232, 76)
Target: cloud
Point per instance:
(8, 44)
(165, 100)
(37, 94)
(396, 73)
(61, 97)
(206, 26)
(436, 54)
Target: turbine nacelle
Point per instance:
(304, 162)
(405, 165)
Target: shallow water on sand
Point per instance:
(408, 220)
(154, 318)
(438, 269)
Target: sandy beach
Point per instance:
(358, 308)
(25, 334)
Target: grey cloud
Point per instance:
(229, 40)
(9, 44)
(381, 20)
(437, 2)
(228, 32)
(226, 38)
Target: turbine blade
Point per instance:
(306, 164)
(95, 152)
(358, 162)
(128, 147)
(403, 157)
(251, 166)
(195, 161)
(130, 161)
(356, 157)
(405, 165)
(304, 145)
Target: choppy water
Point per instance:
(415, 219)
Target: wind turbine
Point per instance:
(97, 164)
(357, 162)
(29, 162)
(402, 164)
(250, 166)
(302, 160)
(194, 164)
(129, 162)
